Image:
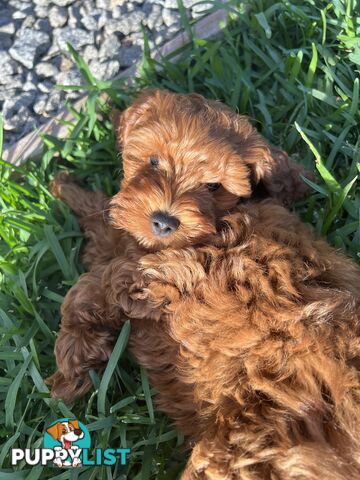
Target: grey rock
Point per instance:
(153, 18)
(71, 77)
(117, 12)
(77, 37)
(46, 86)
(104, 70)
(173, 3)
(90, 53)
(103, 19)
(129, 7)
(5, 41)
(19, 15)
(201, 9)
(46, 70)
(7, 27)
(30, 84)
(136, 38)
(160, 36)
(41, 3)
(58, 16)
(170, 16)
(129, 55)
(110, 47)
(19, 5)
(28, 45)
(126, 24)
(10, 82)
(40, 104)
(8, 66)
(16, 112)
(63, 3)
(54, 101)
(4, 94)
(90, 21)
(43, 24)
(28, 21)
(41, 12)
(103, 4)
(74, 17)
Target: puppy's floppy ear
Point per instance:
(270, 167)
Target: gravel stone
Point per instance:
(104, 70)
(8, 67)
(74, 17)
(7, 27)
(90, 22)
(127, 24)
(62, 3)
(16, 112)
(90, 53)
(153, 19)
(173, 4)
(58, 16)
(76, 36)
(199, 10)
(5, 41)
(28, 21)
(46, 86)
(71, 77)
(43, 24)
(46, 70)
(28, 46)
(39, 106)
(41, 12)
(103, 19)
(29, 85)
(110, 47)
(170, 17)
(54, 101)
(129, 55)
(103, 4)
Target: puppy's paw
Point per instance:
(68, 389)
(60, 182)
(179, 270)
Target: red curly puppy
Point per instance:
(247, 324)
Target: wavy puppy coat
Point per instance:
(247, 324)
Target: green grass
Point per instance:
(293, 67)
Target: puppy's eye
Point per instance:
(154, 161)
(212, 187)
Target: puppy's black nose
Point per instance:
(163, 224)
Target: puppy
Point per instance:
(248, 325)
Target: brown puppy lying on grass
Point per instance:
(247, 324)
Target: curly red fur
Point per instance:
(248, 324)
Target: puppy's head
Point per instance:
(187, 162)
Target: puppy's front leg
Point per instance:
(171, 275)
(86, 339)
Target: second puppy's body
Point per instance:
(247, 324)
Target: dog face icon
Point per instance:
(66, 432)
